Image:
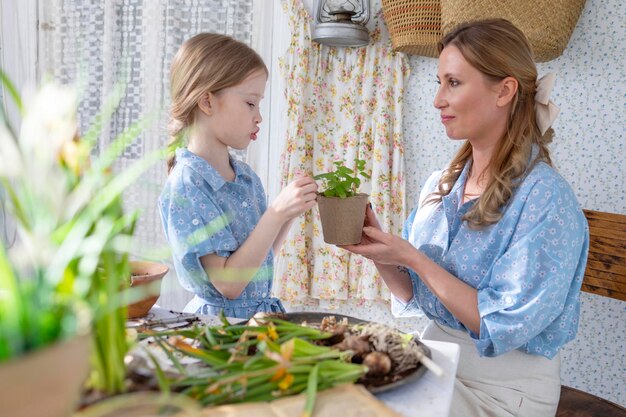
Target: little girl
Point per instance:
(213, 207)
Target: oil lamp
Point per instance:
(341, 22)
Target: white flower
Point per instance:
(49, 122)
(10, 158)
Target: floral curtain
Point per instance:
(343, 103)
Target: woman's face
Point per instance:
(468, 100)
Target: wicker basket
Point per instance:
(414, 25)
(548, 24)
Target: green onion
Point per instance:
(240, 363)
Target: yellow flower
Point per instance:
(184, 346)
(213, 389)
(279, 374)
(75, 155)
(286, 349)
(271, 332)
(286, 382)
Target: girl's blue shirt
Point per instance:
(203, 214)
(528, 267)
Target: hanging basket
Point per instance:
(548, 24)
(414, 25)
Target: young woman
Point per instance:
(496, 251)
(213, 207)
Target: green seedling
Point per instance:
(343, 182)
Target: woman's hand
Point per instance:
(380, 247)
(388, 252)
(296, 198)
(370, 221)
(370, 218)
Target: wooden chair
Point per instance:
(606, 267)
(606, 276)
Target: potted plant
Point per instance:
(342, 208)
(60, 280)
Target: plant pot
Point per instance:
(342, 218)
(142, 273)
(46, 382)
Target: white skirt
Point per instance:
(512, 384)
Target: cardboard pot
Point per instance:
(342, 218)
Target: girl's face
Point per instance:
(235, 113)
(467, 100)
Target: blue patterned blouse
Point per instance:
(202, 214)
(527, 268)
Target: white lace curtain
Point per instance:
(99, 44)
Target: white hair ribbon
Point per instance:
(545, 110)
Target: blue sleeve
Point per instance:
(528, 285)
(411, 308)
(401, 309)
(195, 226)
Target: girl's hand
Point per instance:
(296, 198)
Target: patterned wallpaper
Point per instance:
(588, 149)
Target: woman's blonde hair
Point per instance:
(498, 49)
(208, 62)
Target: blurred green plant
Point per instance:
(343, 182)
(65, 274)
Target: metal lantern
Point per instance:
(341, 22)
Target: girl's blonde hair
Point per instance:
(208, 62)
(498, 49)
